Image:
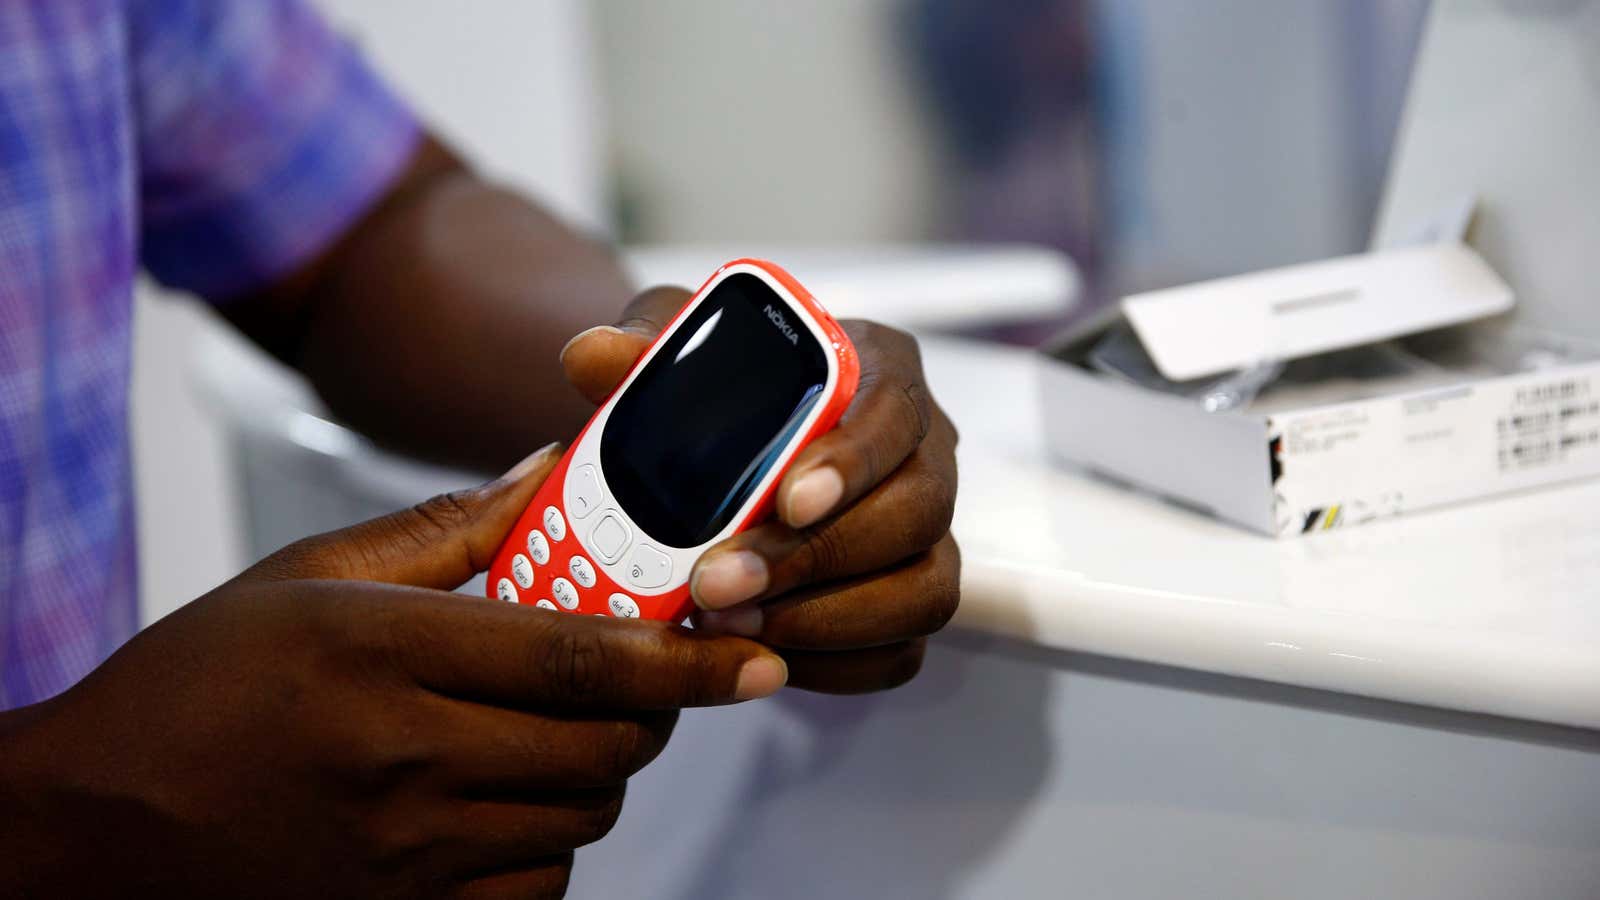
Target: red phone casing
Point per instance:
(515, 575)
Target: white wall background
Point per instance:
(1241, 135)
(1245, 135)
(188, 537)
(511, 82)
(512, 86)
(753, 120)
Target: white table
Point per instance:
(1082, 730)
(1490, 607)
(1034, 758)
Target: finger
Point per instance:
(597, 360)
(913, 600)
(439, 543)
(889, 417)
(502, 654)
(486, 752)
(856, 671)
(544, 879)
(492, 836)
(903, 516)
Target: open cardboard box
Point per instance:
(1404, 387)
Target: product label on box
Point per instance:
(1358, 461)
(1548, 424)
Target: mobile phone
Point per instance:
(685, 452)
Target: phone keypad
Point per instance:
(555, 524)
(565, 593)
(623, 607)
(649, 567)
(609, 538)
(582, 571)
(522, 571)
(583, 492)
(539, 547)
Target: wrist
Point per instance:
(36, 850)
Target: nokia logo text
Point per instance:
(783, 325)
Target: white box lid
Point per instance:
(1212, 327)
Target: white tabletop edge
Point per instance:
(1512, 678)
(1483, 607)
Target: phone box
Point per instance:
(1387, 400)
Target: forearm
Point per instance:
(436, 326)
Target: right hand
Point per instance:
(331, 723)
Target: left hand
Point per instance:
(858, 567)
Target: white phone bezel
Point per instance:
(587, 451)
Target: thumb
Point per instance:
(439, 543)
(597, 360)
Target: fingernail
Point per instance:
(813, 496)
(530, 462)
(598, 329)
(728, 578)
(760, 677)
(744, 621)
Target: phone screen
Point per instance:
(711, 412)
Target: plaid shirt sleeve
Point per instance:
(261, 136)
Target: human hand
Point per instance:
(858, 567)
(331, 723)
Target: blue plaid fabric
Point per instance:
(214, 143)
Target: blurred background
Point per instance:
(1153, 141)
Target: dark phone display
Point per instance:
(709, 415)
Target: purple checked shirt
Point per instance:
(214, 143)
